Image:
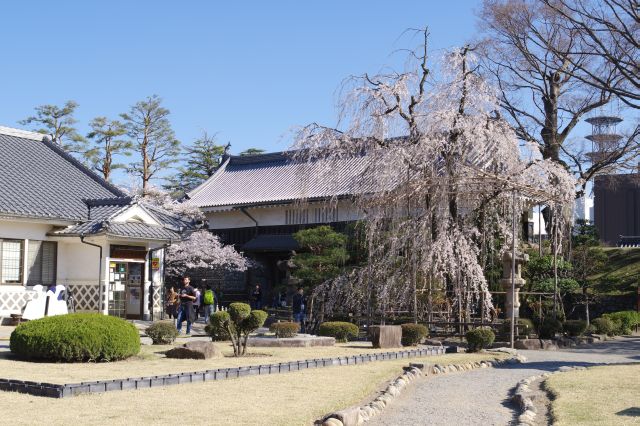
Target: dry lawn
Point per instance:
(287, 399)
(597, 396)
(151, 361)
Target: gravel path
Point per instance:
(483, 396)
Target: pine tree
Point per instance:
(202, 160)
(107, 143)
(153, 138)
(58, 123)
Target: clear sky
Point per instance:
(247, 70)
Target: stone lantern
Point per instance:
(512, 303)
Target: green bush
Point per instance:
(342, 331)
(412, 334)
(239, 321)
(627, 320)
(604, 325)
(216, 328)
(549, 328)
(76, 337)
(162, 332)
(574, 328)
(479, 338)
(285, 329)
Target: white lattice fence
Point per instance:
(13, 301)
(85, 296)
(157, 299)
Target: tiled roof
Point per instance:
(39, 180)
(273, 178)
(102, 212)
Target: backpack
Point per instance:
(208, 297)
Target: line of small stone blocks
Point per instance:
(73, 389)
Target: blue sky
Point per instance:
(247, 70)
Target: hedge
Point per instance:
(342, 331)
(285, 329)
(412, 334)
(627, 320)
(75, 338)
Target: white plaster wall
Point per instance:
(271, 216)
(136, 211)
(78, 262)
(24, 230)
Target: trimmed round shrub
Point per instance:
(162, 332)
(549, 328)
(216, 328)
(412, 334)
(342, 331)
(75, 338)
(479, 338)
(254, 321)
(604, 325)
(575, 328)
(285, 329)
(239, 311)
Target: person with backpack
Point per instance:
(208, 301)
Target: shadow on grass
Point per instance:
(630, 412)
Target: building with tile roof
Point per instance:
(60, 223)
(254, 202)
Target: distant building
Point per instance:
(60, 223)
(537, 224)
(254, 203)
(617, 208)
(584, 209)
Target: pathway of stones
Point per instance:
(484, 396)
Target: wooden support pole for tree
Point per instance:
(513, 268)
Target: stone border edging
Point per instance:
(53, 390)
(355, 416)
(522, 397)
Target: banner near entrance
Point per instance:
(155, 263)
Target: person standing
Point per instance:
(187, 296)
(208, 302)
(256, 298)
(171, 304)
(197, 303)
(298, 308)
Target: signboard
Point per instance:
(155, 263)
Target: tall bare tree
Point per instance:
(59, 123)
(153, 138)
(534, 56)
(608, 30)
(108, 144)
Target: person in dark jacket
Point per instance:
(298, 307)
(187, 296)
(256, 298)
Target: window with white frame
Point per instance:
(11, 255)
